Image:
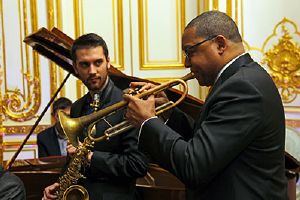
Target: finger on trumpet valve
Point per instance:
(132, 91)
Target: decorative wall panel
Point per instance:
(20, 100)
(160, 33)
(283, 59)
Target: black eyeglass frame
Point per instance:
(187, 51)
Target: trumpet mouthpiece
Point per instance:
(189, 76)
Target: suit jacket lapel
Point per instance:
(231, 70)
(106, 95)
(228, 72)
(55, 144)
(77, 110)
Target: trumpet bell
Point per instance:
(71, 127)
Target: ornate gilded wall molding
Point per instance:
(2, 117)
(283, 60)
(295, 123)
(144, 20)
(19, 107)
(24, 129)
(27, 150)
(2, 129)
(22, 104)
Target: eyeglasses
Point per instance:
(188, 51)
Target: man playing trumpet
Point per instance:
(235, 150)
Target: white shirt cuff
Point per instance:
(143, 125)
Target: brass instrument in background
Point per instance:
(74, 126)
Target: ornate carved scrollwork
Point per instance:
(20, 107)
(21, 102)
(2, 117)
(283, 60)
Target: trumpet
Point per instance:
(72, 127)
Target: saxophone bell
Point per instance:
(76, 192)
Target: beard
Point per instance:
(94, 83)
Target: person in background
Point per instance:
(114, 164)
(52, 141)
(235, 150)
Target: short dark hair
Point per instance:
(61, 103)
(213, 23)
(86, 41)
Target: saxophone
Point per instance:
(68, 187)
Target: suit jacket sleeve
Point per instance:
(12, 186)
(128, 163)
(218, 139)
(181, 123)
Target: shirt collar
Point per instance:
(59, 135)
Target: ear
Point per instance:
(74, 67)
(108, 62)
(221, 42)
(55, 115)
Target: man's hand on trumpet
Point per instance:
(140, 110)
(160, 98)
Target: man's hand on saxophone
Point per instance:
(71, 149)
(50, 192)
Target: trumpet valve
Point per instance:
(107, 136)
(134, 91)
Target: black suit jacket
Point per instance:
(11, 186)
(116, 163)
(236, 149)
(47, 142)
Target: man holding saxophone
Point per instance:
(113, 165)
(235, 149)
